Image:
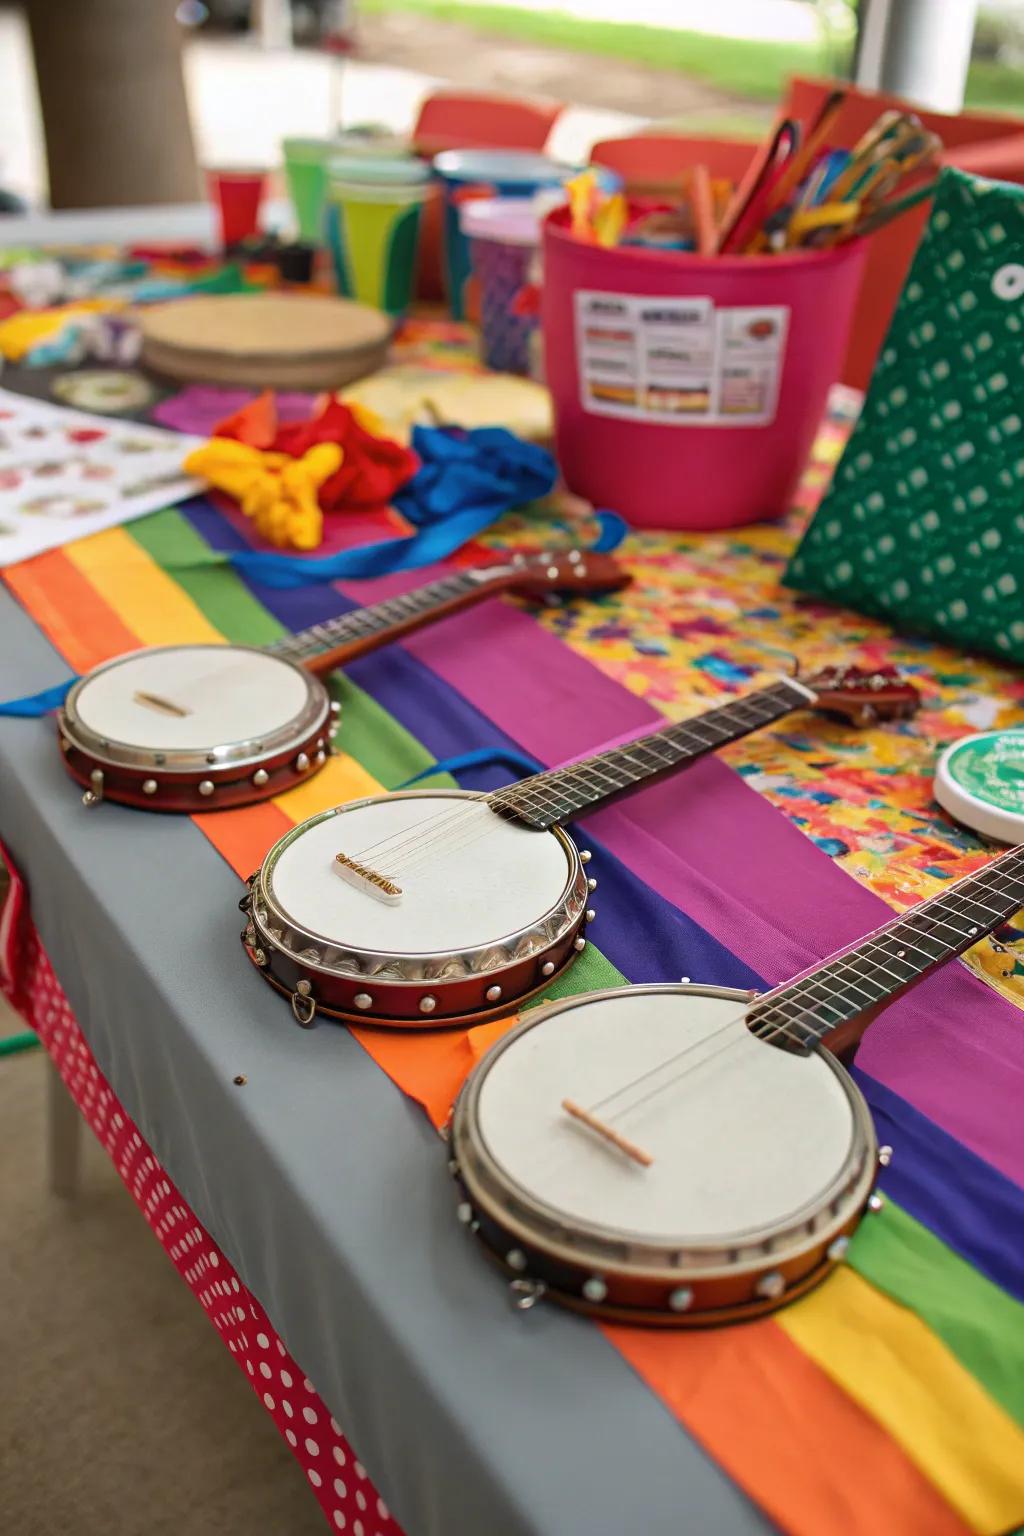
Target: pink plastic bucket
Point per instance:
(699, 411)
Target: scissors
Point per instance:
(749, 206)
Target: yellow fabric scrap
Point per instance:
(278, 492)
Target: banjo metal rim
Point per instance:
(402, 970)
(230, 758)
(533, 1225)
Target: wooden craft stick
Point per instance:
(630, 1148)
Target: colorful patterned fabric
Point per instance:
(907, 1364)
(923, 524)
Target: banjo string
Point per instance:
(797, 1011)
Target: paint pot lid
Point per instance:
(979, 780)
(505, 167)
(508, 220)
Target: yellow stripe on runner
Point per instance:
(892, 1364)
(340, 779)
(143, 596)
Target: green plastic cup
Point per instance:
(373, 221)
(305, 171)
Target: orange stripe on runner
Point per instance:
(238, 834)
(816, 1462)
(69, 610)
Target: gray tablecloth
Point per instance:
(327, 1189)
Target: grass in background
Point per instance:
(748, 69)
(755, 70)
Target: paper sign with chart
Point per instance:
(681, 362)
(64, 474)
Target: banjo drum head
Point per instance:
(752, 1147)
(184, 703)
(477, 893)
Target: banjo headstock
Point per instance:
(567, 571)
(864, 696)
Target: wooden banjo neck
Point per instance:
(834, 1003)
(323, 647)
(559, 794)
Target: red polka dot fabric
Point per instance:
(338, 1479)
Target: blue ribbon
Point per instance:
(37, 704)
(466, 481)
(505, 757)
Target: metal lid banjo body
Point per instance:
(444, 907)
(206, 727)
(685, 1156)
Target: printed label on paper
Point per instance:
(680, 362)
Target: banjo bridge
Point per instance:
(162, 706)
(369, 880)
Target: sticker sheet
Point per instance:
(64, 474)
(679, 362)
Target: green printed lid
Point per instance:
(980, 782)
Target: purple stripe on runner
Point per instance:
(716, 849)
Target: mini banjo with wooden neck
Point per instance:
(684, 1155)
(205, 727)
(442, 907)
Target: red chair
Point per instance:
(972, 141)
(476, 120)
(652, 165)
(469, 120)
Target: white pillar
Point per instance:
(272, 22)
(919, 49)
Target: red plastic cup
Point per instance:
(237, 196)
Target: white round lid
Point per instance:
(979, 780)
(508, 220)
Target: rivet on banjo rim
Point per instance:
(206, 787)
(875, 1202)
(363, 1000)
(303, 988)
(301, 763)
(590, 914)
(516, 1259)
(595, 1289)
(261, 777)
(493, 993)
(836, 1249)
(464, 1211)
(320, 744)
(885, 1156)
(771, 1285)
(335, 708)
(591, 884)
(579, 944)
(585, 855)
(149, 786)
(548, 968)
(321, 758)
(681, 1299)
(428, 1004)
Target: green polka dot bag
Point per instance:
(924, 522)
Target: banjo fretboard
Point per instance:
(378, 618)
(561, 793)
(804, 1011)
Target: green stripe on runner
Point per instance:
(978, 1322)
(220, 595)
